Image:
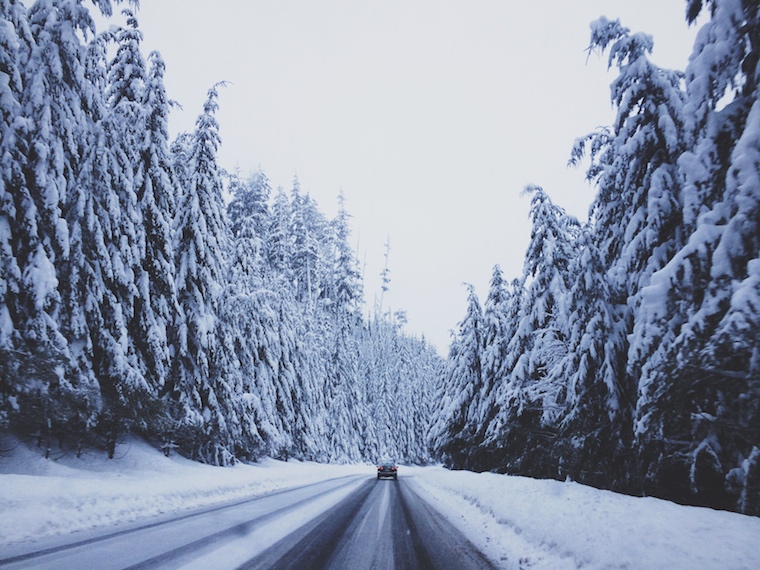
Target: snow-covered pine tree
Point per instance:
(206, 421)
(499, 361)
(17, 212)
(56, 102)
(636, 214)
(280, 243)
(249, 319)
(527, 396)
(428, 368)
(346, 281)
(345, 403)
(139, 113)
(417, 369)
(247, 218)
(181, 150)
(698, 417)
(96, 277)
(379, 358)
(313, 360)
(498, 329)
(296, 382)
(594, 428)
(309, 231)
(341, 296)
(451, 435)
(250, 205)
(157, 191)
(130, 386)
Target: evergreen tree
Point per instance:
(157, 191)
(206, 422)
(344, 401)
(126, 240)
(16, 204)
(498, 328)
(250, 318)
(59, 101)
(280, 243)
(527, 404)
(636, 214)
(309, 231)
(451, 435)
(593, 426)
(547, 261)
(346, 281)
(697, 412)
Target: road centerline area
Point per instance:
(383, 525)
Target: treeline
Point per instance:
(627, 354)
(135, 299)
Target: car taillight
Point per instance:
(393, 468)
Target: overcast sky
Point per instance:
(430, 115)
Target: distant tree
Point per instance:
(280, 243)
(346, 280)
(309, 231)
(249, 207)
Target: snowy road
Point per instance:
(347, 522)
(382, 525)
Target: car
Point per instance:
(387, 468)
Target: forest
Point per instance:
(145, 290)
(627, 354)
(136, 299)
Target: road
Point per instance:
(350, 522)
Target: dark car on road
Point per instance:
(387, 468)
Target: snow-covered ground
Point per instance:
(41, 498)
(538, 524)
(517, 522)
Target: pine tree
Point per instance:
(132, 388)
(15, 204)
(58, 100)
(546, 270)
(452, 437)
(250, 317)
(498, 328)
(280, 243)
(206, 422)
(593, 426)
(157, 191)
(697, 412)
(347, 291)
(309, 231)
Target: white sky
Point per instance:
(430, 115)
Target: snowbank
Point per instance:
(528, 523)
(41, 498)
